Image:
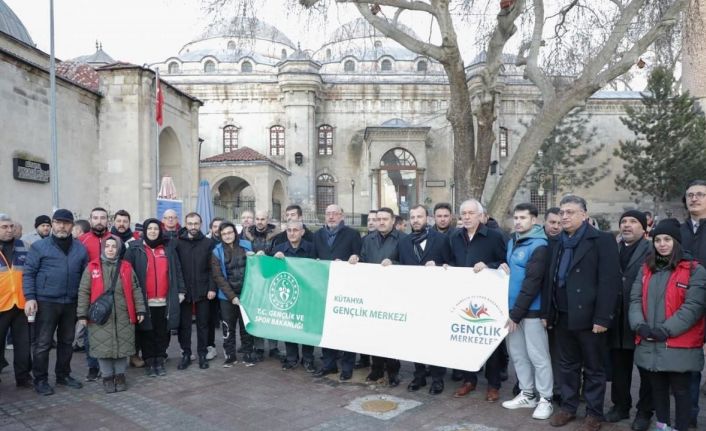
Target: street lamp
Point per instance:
(353, 201)
(540, 188)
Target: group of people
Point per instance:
(583, 308)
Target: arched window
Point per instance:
(173, 67)
(325, 193)
(284, 53)
(246, 67)
(328, 54)
(386, 66)
(231, 45)
(503, 145)
(398, 181)
(378, 44)
(209, 67)
(230, 138)
(349, 66)
(325, 140)
(276, 141)
(422, 66)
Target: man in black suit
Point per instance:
(584, 272)
(425, 247)
(336, 241)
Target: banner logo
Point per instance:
(284, 291)
(481, 317)
(475, 311)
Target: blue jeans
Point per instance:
(694, 388)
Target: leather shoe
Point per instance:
(203, 362)
(642, 421)
(561, 418)
(616, 415)
(492, 395)
(465, 389)
(436, 388)
(591, 423)
(393, 381)
(42, 388)
(415, 385)
(345, 376)
(325, 372)
(24, 384)
(69, 381)
(374, 377)
(185, 361)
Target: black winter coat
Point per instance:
(620, 335)
(375, 249)
(281, 238)
(195, 258)
(137, 256)
(695, 244)
(346, 244)
(487, 246)
(437, 249)
(592, 282)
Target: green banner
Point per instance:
(292, 305)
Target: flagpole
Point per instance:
(52, 113)
(156, 170)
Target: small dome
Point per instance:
(361, 28)
(247, 28)
(97, 59)
(505, 58)
(10, 24)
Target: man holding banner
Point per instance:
(336, 241)
(477, 246)
(424, 247)
(381, 246)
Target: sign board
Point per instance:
(28, 170)
(169, 204)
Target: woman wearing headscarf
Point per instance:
(158, 269)
(667, 314)
(112, 342)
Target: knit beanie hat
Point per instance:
(669, 226)
(638, 215)
(40, 220)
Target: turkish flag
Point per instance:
(160, 101)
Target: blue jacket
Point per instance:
(526, 272)
(220, 255)
(52, 276)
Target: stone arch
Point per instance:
(278, 199)
(170, 160)
(231, 196)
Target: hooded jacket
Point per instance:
(261, 241)
(526, 257)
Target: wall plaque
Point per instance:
(436, 183)
(28, 170)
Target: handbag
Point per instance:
(100, 310)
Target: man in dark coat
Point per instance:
(425, 246)
(693, 234)
(633, 249)
(381, 246)
(194, 251)
(292, 213)
(584, 273)
(336, 241)
(477, 246)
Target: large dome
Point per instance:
(242, 27)
(10, 24)
(360, 28)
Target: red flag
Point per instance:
(160, 101)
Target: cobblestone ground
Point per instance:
(258, 398)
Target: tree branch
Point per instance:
(534, 72)
(501, 34)
(401, 4)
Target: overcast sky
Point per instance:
(147, 31)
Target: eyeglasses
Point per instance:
(194, 224)
(697, 195)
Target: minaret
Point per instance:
(300, 83)
(694, 52)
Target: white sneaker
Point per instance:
(521, 401)
(212, 353)
(544, 409)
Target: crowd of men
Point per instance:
(569, 294)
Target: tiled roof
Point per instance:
(243, 154)
(80, 73)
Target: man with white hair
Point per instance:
(477, 246)
(170, 224)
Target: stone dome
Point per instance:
(246, 27)
(360, 28)
(10, 24)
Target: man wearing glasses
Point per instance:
(693, 233)
(584, 277)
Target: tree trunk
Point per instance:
(461, 119)
(486, 138)
(544, 122)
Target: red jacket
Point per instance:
(157, 277)
(674, 296)
(92, 242)
(97, 286)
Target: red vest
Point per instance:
(97, 287)
(157, 277)
(674, 296)
(93, 243)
